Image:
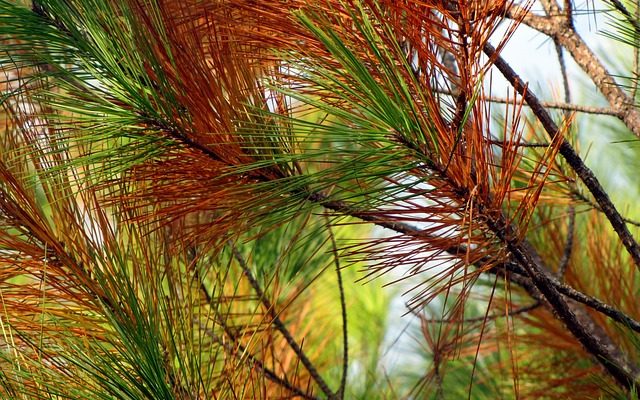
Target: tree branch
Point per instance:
(280, 325)
(569, 154)
(545, 287)
(409, 230)
(558, 28)
(579, 196)
(578, 322)
(564, 106)
(343, 307)
(568, 247)
(269, 374)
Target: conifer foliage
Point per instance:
(201, 200)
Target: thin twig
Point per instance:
(520, 278)
(563, 72)
(568, 247)
(279, 325)
(343, 306)
(269, 374)
(564, 106)
(526, 283)
(483, 318)
(598, 305)
(534, 145)
(579, 196)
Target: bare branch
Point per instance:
(255, 362)
(280, 326)
(544, 288)
(567, 8)
(583, 328)
(527, 144)
(343, 306)
(521, 310)
(551, 7)
(579, 196)
(565, 106)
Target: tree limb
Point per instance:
(569, 154)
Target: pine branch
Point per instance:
(581, 325)
(568, 247)
(269, 374)
(579, 196)
(406, 229)
(543, 288)
(520, 277)
(583, 330)
(241, 349)
(569, 154)
(525, 267)
(633, 20)
(564, 106)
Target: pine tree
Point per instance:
(204, 199)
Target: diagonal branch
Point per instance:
(584, 329)
(568, 246)
(570, 155)
(517, 311)
(518, 276)
(579, 196)
(280, 326)
(240, 349)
